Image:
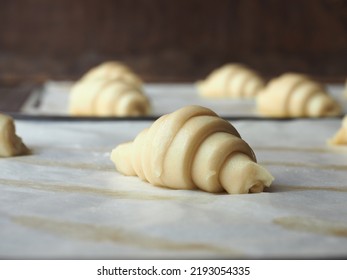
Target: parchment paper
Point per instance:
(66, 200)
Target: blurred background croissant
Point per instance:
(169, 41)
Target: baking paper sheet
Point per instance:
(66, 200)
(52, 99)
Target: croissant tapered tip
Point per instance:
(242, 175)
(340, 138)
(120, 157)
(323, 105)
(10, 143)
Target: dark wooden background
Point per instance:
(166, 40)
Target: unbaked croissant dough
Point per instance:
(231, 81)
(112, 97)
(10, 143)
(296, 95)
(192, 148)
(113, 70)
(340, 137)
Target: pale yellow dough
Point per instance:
(231, 81)
(113, 70)
(10, 143)
(192, 148)
(106, 98)
(110, 89)
(340, 137)
(296, 95)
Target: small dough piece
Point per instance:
(113, 70)
(296, 95)
(10, 143)
(231, 81)
(340, 137)
(106, 98)
(192, 148)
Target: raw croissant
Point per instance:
(192, 148)
(113, 70)
(10, 143)
(107, 98)
(296, 95)
(232, 81)
(340, 137)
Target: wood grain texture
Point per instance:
(173, 40)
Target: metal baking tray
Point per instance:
(50, 100)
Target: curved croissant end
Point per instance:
(113, 70)
(296, 95)
(231, 81)
(340, 137)
(10, 143)
(192, 148)
(107, 98)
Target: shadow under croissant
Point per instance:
(275, 188)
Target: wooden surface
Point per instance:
(172, 40)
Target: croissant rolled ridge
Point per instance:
(296, 95)
(192, 148)
(231, 81)
(107, 98)
(110, 89)
(111, 70)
